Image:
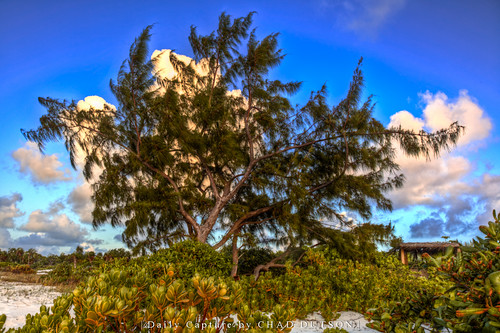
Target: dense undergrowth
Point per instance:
(187, 288)
(471, 304)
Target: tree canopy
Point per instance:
(217, 151)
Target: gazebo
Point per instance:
(420, 248)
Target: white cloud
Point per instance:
(406, 120)
(444, 184)
(440, 113)
(81, 203)
(9, 210)
(488, 190)
(57, 227)
(89, 102)
(428, 181)
(164, 68)
(42, 168)
(94, 102)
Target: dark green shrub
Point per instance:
(251, 258)
(191, 257)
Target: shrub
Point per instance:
(21, 269)
(132, 299)
(191, 257)
(5, 266)
(471, 304)
(251, 258)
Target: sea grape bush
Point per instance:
(471, 304)
(474, 301)
(191, 257)
(122, 295)
(133, 300)
(329, 284)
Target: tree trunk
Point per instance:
(234, 270)
(272, 263)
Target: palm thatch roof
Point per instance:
(429, 247)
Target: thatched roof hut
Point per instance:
(420, 248)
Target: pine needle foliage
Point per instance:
(182, 157)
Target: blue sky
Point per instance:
(426, 62)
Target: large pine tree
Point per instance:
(187, 155)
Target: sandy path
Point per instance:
(19, 299)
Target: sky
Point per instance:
(427, 64)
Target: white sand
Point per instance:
(19, 299)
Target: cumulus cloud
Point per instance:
(443, 184)
(80, 201)
(94, 102)
(164, 68)
(88, 103)
(52, 228)
(42, 168)
(364, 17)
(431, 181)
(487, 190)
(440, 112)
(9, 210)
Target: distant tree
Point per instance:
(3, 255)
(186, 156)
(117, 253)
(31, 256)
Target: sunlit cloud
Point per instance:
(51, 228)
(43, 169)
(440, 112)
(81, 203)
(446, 185)
(87, 247)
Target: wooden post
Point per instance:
(404, 257)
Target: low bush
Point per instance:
(191, 257)
(5, 266)
(21, 269)
(188, 285)
(470, 304)
(251, 258)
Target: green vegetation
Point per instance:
(120, 296)
(186, 157)
(220, 150)
(472, 301)
(190, 285)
